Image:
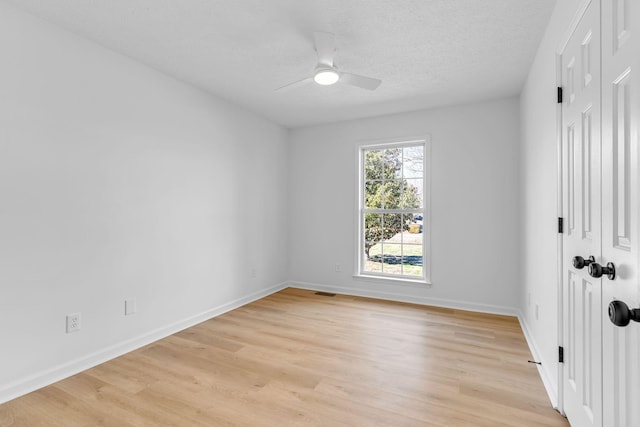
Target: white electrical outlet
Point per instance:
(130, 306)
(254, 273)
(338, 268)
(73, 322)
(537, 312)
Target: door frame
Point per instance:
(560, 238)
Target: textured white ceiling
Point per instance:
(427, 52)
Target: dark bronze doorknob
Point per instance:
(596, 270)
(579, 262)
(621, 315)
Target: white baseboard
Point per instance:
(41, 379)
(438, 302)
(542, 369)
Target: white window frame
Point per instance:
(425, 141)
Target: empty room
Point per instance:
(327, 213)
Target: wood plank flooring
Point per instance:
(296, 358)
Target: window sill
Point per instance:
(393, 280)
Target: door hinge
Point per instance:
(561, 354)
(560, 225)
(559, 95)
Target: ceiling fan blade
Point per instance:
(295, 85)
(360, 81)
(326, 47)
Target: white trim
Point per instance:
(392, 296)
(41, 379)
(407, 140)
(392, 143)
(393, 280)
(582, 9)
(546, 378)
(560, 239)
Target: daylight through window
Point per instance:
(392, 210)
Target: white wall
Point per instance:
(474, 205)
(539, 196)
(115, 182)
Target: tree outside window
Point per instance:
(392, 221)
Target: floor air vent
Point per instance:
(325, 294)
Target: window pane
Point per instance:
(392, 191)
(413, 162)
(412, 260)
(412, 247)
(373, 243)
(375, 250)
(392, 257)
(414, 230)
(372, 266)
(392, 226)
(412, 193)
(392, 163)
(373, 164)
(373, 192)
(372, 230)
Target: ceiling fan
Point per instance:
(327, 73)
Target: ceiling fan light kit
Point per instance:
(326, 77)
(326, 73)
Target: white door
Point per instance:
(601, 189)
(582, 294)
(620, 193)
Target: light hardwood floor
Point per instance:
(296, 358)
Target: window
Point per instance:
(393, 222)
